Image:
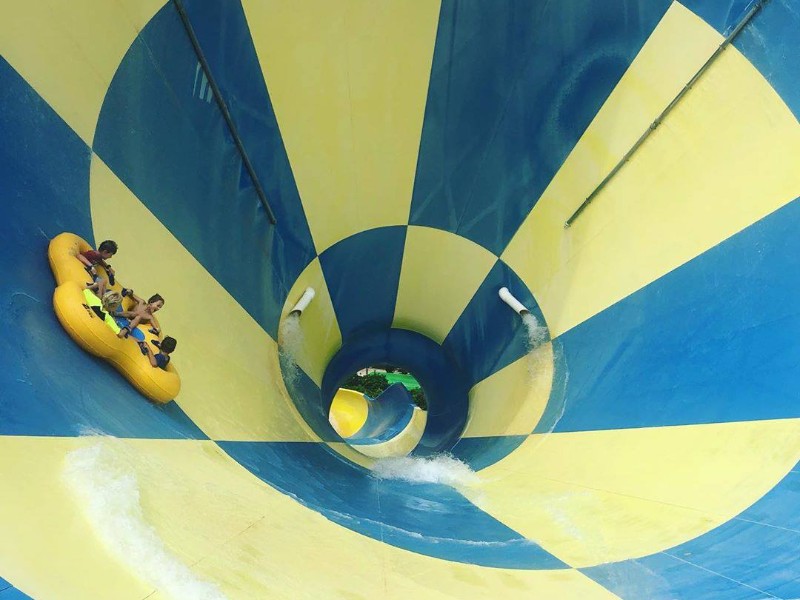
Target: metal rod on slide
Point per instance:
(187, 25)
(746, 19)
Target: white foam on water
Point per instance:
(291, 343)
(442, 469)
(108, 492)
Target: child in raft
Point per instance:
(166, 347)
(109, 308)
(91, 258)
(112, 304)
(143, 312)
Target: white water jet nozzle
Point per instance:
(506, 297)
(304, 301)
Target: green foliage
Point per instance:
(419, 398)
(372, 385)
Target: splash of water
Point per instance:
(291, 343)
(442, 468)
(537, 334)
(538, 362)
(108, 491)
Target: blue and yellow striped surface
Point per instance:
(418, 156)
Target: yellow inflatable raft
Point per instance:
(73, 310)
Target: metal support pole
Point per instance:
(224, 109)
(654, 125)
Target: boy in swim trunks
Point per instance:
(111, 305)
(92, 258)
(143, 312)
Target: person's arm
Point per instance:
(156, 327)
(150, 356)
(153, 358)
(86, 262)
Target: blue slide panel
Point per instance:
(9, 592)
(696, 346)
(49, 385)
(489, 335)
(387, 416)
(307, 398)
(224, 36)
(774, 27)
(169, 144)
(727, 562)
(513, 87)
(666, 577)
(364, 290)
(428, 518)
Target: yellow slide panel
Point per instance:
(603, 496)
(690, 186)
(232, 384)
(234, 531)
(81, 40)
(436, 285)
(401, 444)
(348, 82)
(348, 412)
(511, 401)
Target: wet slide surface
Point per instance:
(417, 157)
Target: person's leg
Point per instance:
(124, 327)
(138, 335)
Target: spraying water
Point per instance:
(442, 469)
(538, 360)
(109, 493)
(537, 334)
(291, 343)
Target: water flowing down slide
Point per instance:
(634, 433)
